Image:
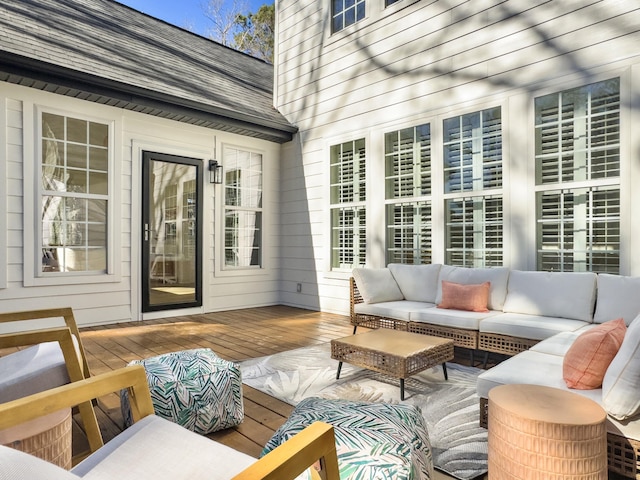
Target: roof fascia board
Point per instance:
(64, 77)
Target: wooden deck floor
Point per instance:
(234, 335)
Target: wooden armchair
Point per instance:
(154, 448)
(44, 364)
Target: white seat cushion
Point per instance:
(417, 283)
(17, 465)
(398, 310)
(617, 298)
(559, 343)
(538, 368)
(498, 277)
(552, 294)
(157, 449)
(451, 318)
(535, 327)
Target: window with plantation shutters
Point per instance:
(348, 212)
(578, 179)
(473, 167)
(408, 194)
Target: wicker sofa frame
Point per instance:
(623, 454)
(461, 337)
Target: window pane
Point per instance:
(579, 230)
(243, 238)
(474, 231)
(578, 134)
(409, 233)
(473, 151)
(408, 162)
(77, 130)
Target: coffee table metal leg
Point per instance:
(339, 368)
(444, 370)
(402, 389)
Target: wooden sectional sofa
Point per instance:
(534, 317)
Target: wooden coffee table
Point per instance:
(393, 352)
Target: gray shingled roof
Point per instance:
(105, 52)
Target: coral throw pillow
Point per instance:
(588, 358)
(458, 296)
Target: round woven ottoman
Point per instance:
(542, 432)
(193, 388)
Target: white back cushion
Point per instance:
(618, 297)
(621, 382)
(498, 277)
(552, 294)
(376, 285)
(418, 283)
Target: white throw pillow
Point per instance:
(552, 294)
(617, 297)
(621, 382)
(377, 285)
(418, 283)
(498, 277)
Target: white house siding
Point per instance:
(421, 61)
(118, 299)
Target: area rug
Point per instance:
(450, 408)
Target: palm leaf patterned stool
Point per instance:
(193, 388)
(373, 440)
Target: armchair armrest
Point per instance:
(65, 313)
(316, 443)
(28, 408)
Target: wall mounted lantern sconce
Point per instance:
(215, 172)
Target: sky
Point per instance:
(187, 14)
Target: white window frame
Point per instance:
(359, 205)
(223, 208)
(416, 201)
(33, 275)
(467, 195)
(3, 198)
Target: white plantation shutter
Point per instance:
(407, 193)
(474, 231)
(578, 179)
(473, 164)
(473, 151)
(348, 213)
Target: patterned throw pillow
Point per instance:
(465, 297)
(588, 358)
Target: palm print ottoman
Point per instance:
(193, 388)
(374, 440)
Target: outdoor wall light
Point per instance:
(215, 172)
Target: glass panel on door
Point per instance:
(171, 232)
